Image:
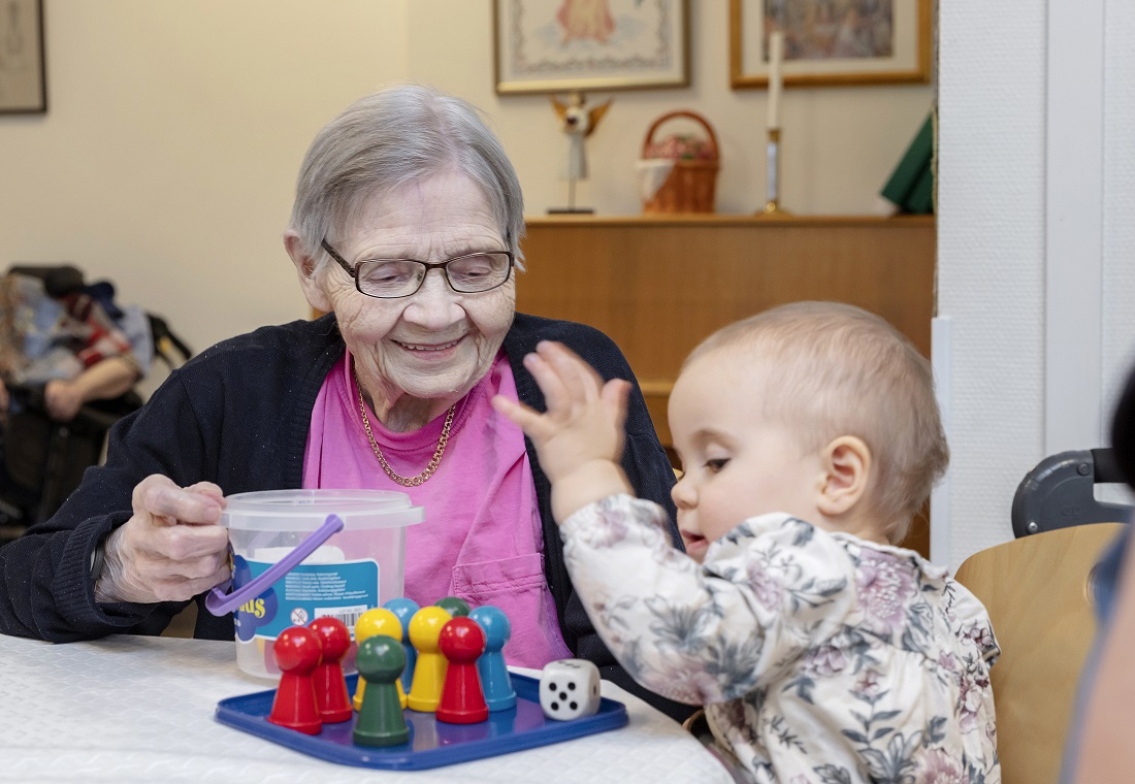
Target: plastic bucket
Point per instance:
(357, 569)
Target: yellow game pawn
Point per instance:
(370, 623)
(429, 672)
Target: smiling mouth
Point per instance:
(428, 347)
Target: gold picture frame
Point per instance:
(543, 46)
(832, 42)
(23, 80)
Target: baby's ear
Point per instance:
(846, 464)
(306, 268)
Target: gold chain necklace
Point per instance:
(435, 461)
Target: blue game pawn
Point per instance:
(404, 609)
(495, 680)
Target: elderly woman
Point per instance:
(406, 230)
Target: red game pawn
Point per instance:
(462, 641)
(297, 654)
(330, 686)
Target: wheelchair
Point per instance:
(43, 460)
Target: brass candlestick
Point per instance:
(772, 191)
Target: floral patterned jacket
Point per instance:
(820, 657)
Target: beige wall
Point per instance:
(167, 160)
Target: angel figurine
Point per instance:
(578, 123)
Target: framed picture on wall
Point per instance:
(23, 83)
(555, 45)
(831, 42)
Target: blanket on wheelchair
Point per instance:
(44, 338)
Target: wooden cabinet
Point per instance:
(658, 285)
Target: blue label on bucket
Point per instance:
(256, 612)
(343, 590)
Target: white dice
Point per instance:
(569, 689)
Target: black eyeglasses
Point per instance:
(392, 278)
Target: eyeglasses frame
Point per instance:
(429, 265)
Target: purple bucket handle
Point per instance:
(220, 603)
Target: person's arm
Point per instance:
(1103, 748)
(160, 543)
(107, 379)
(694, 635)
(713, 632)
(644, 463)
(236, 416)
(171, 548)
(580, 437)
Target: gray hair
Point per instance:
(843, 371)
(397, 135)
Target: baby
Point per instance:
(809, 436)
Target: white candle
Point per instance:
(775, 78)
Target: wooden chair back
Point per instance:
(1038, 591)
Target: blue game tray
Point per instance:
(432, 743)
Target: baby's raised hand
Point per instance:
(584, 420)
(580, 438)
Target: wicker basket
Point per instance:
(691, 183)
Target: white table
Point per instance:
(132, 708)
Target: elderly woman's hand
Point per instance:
(580, 438)
(171, 549)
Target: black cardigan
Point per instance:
(238, 415)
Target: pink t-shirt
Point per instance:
(481, 539)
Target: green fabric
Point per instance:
(911, 185)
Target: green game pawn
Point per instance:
(456, 607)
(380, 661)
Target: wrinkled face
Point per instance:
(435, 344)
(737, 463)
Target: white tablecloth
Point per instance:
(141, 709)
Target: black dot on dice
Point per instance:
(571, 687)
(563, 696)
(555, 706)
(574, 706)
(552, 686)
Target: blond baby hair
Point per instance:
(841, 371)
